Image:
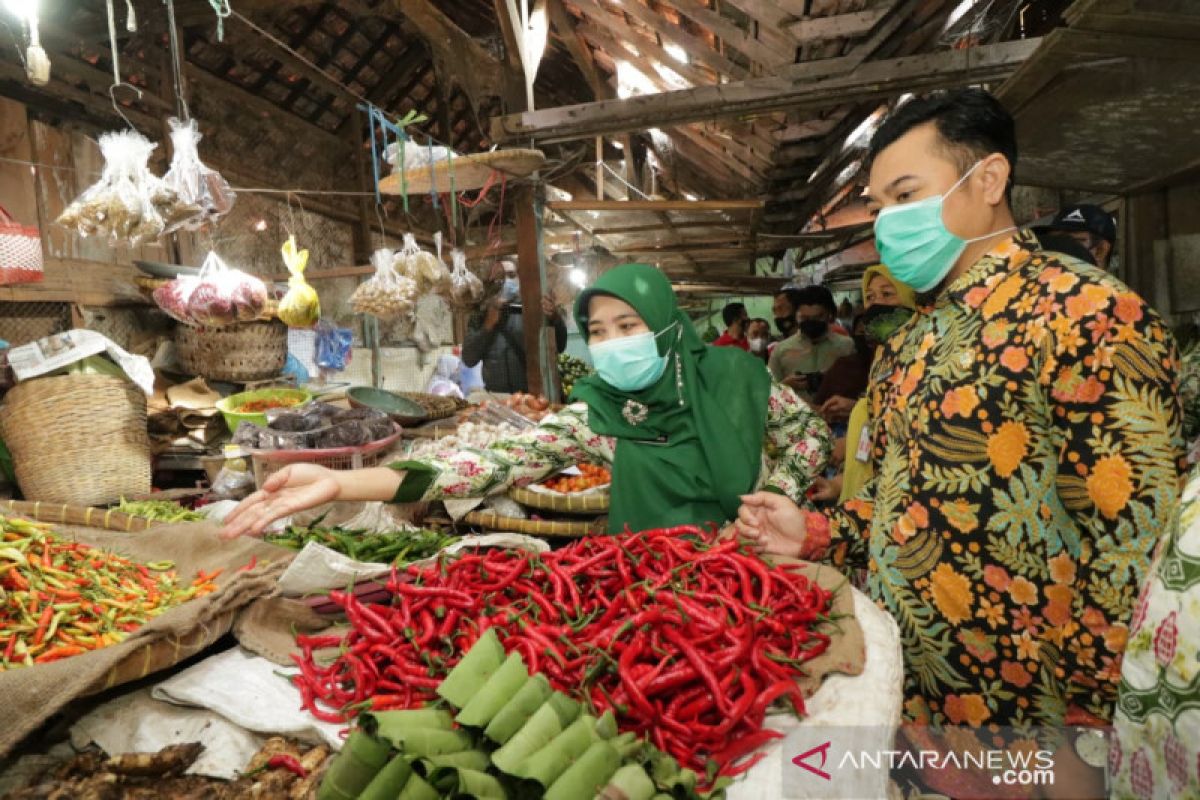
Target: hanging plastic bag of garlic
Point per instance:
(193, 181)
(129, 204)
(466, 289)
(428, 270)
(387, 294)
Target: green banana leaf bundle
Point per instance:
(501, 734)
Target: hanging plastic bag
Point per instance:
(466, 289)
(173, 298)
(334, 346)
(387, 294)
(225, 295)
(428, 270)
(128, 203)
(195, 183)
(300, 307)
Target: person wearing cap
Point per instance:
(1090, 225)
(686, 428)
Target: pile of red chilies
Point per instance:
(688, 640)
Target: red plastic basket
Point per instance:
(20, 251)
(268, 462)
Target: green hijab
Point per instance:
(691, 444)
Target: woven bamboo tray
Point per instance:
(84, 516)
(594, 503)
(469, 172)
(436, 406)
(537, 527)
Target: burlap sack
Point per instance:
(267, 629)
(32, 694)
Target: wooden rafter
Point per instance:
(840, 26)
(770, 49)
(621, 43)
(796, 89)
(697, 49)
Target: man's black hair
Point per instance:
(816, 296)
(971, 123)
(733, 312)
(793, 296)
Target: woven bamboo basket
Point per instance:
(436, 406)
(78, 439)
(247, 351)
(592, 503)
(537, 527)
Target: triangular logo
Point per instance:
(802, 761)
(1074, 216)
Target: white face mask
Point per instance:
(757, 345)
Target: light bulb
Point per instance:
(23, 9)
(579, 277)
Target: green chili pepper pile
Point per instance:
(159, 511)
(60, 598)
(392, 547)
(687, 640)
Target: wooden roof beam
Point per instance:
(771, 50)
(655, 205)
(839, 26)
(564, 26)
(621, 44)
(796, 88)
(697, 49)
(465, 61)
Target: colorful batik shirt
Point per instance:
(796, 448)
(1156, 751)
(1026, 445)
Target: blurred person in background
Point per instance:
(800, 360)
(736, 319)
(758, 337)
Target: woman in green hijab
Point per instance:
(686, 428)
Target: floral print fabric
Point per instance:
(796, 447)
(1026, 441)
(1156, 750)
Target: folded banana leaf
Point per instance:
(491, 697)
(467, 759)
(629, 783)
(361, 759)
(468, 677)
(566, 708)
(467, 783)
(587, 776)
(552, 760)
(408, 719)
(517, 711)
(535, 734)
(425, 742)
(389, 782)
(606, 726)
(417, 788)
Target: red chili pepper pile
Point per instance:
(689, 642)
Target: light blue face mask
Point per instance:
(914, 243)
(630, 363)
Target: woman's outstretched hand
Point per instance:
(772, 523)
(294, 488)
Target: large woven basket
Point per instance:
(78, 439)
(248, 351)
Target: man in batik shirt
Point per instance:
(1026, 442)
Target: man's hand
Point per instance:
(837, 408)
(294, 488)
(492, 317)
(549, 308)
(838, 456)
(772, 524)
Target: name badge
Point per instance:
(863, 453)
